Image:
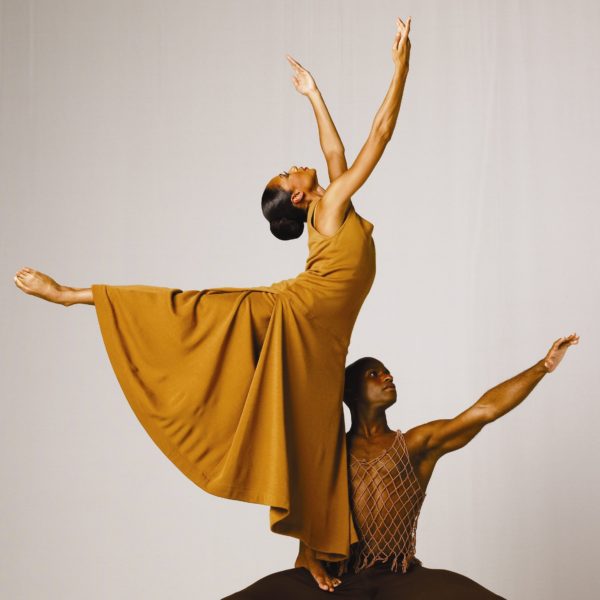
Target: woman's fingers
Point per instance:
(295, 64)
(406, 28)
(402, 31)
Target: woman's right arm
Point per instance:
(329, 138)
(338, 194)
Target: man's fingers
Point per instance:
(569, 340)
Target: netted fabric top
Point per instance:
(386, 499)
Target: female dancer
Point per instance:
(228, 381)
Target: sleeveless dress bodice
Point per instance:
(339, 273)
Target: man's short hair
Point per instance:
(352, 380)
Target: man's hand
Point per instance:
(303, 81)
(558, 351)
(401, 45)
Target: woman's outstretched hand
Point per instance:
(303, 81)
(558, 351)
(401, 45)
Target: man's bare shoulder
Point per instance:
(417, 438)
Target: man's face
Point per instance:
(375, 385)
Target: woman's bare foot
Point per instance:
(38, 284)
(306, 558)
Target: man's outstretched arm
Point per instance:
(446, 435)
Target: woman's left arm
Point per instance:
(331, 144)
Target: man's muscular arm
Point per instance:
(440, 437)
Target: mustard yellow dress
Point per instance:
(242, 388)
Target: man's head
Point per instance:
(368, 384)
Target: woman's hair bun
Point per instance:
(286, 229)
(286, 221)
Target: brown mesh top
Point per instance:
(386, 500)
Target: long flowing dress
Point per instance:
(242, 388)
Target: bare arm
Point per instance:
(330, 141)
(338, 194)
(446, 435)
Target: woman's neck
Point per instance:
(315, 194)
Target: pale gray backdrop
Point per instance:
(136, 137)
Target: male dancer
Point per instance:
(389, 473)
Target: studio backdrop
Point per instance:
(136, 137)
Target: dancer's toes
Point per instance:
(36, 283)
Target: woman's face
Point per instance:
(296, 179)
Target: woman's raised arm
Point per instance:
(331, 144)
(338, 194)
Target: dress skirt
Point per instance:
(242, 392)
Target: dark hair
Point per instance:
(286, 220)
(352, 377)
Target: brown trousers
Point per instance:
(377, 583)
